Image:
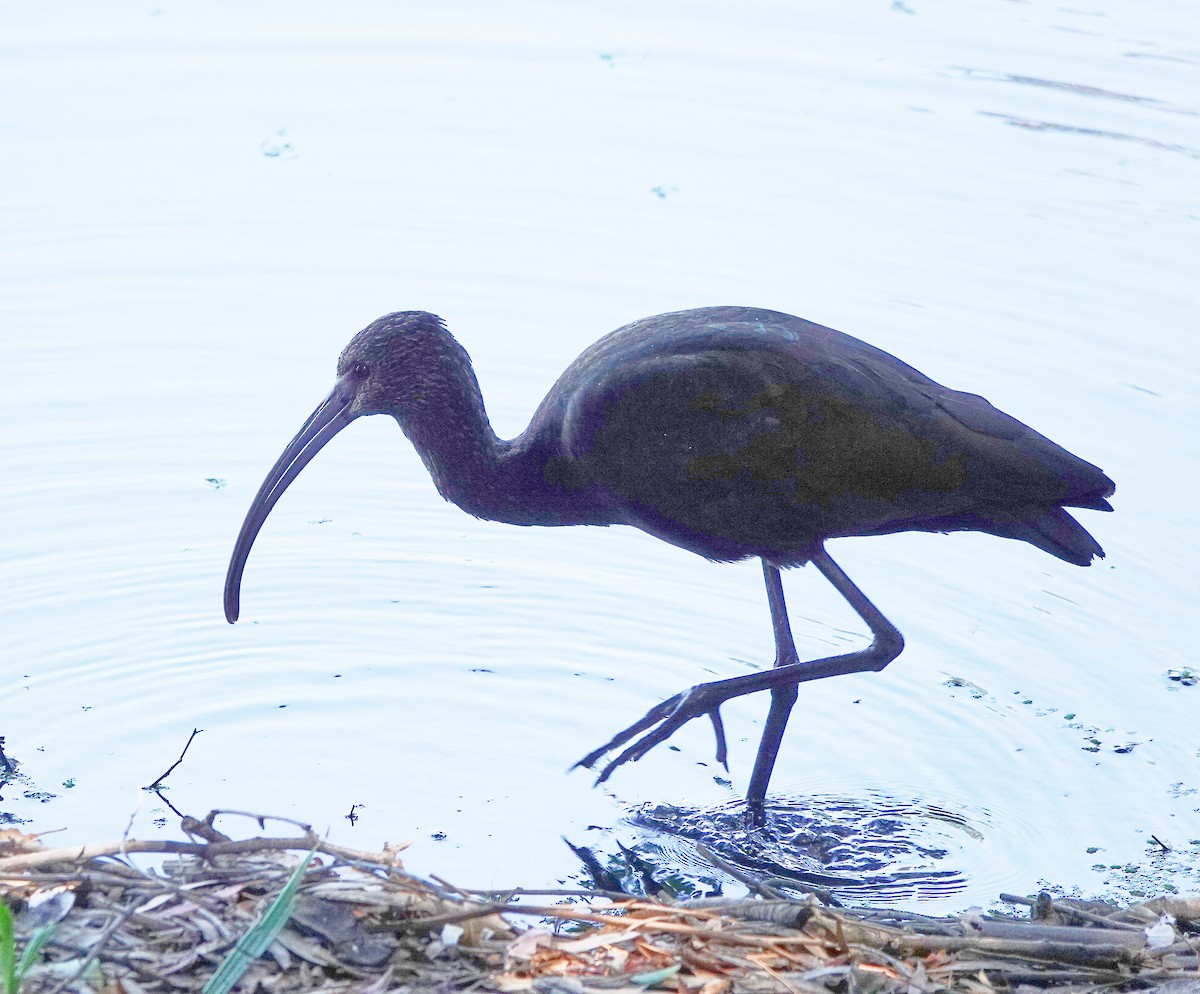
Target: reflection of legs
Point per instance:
(782, 680)
(885, 647)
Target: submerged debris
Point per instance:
(360, 923)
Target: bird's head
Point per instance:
(388, 366)
(392, 366)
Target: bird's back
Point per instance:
(740, 432)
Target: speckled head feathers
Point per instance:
(394, 361)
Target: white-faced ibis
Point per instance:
(728, 431)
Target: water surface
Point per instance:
(202, 202)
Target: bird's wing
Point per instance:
(753, 449)
(1009, 457)
(748, 444)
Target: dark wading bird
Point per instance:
(728, 431)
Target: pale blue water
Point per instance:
(201, 202)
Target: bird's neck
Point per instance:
(484, 475)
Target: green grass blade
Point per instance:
(8, 951)
(33, 949)
(254, 943)
(653, 977)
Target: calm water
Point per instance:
(201, 202)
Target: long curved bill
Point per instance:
(326, 421)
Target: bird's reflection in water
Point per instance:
(853, 850)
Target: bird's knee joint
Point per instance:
(888, 645)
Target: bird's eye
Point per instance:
(360, 370)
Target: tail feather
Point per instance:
(1057, 533)
(1089, 488)
(1092, 502)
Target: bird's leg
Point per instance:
(706, 698)
(783, 699)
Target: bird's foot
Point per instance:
(669, 716)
